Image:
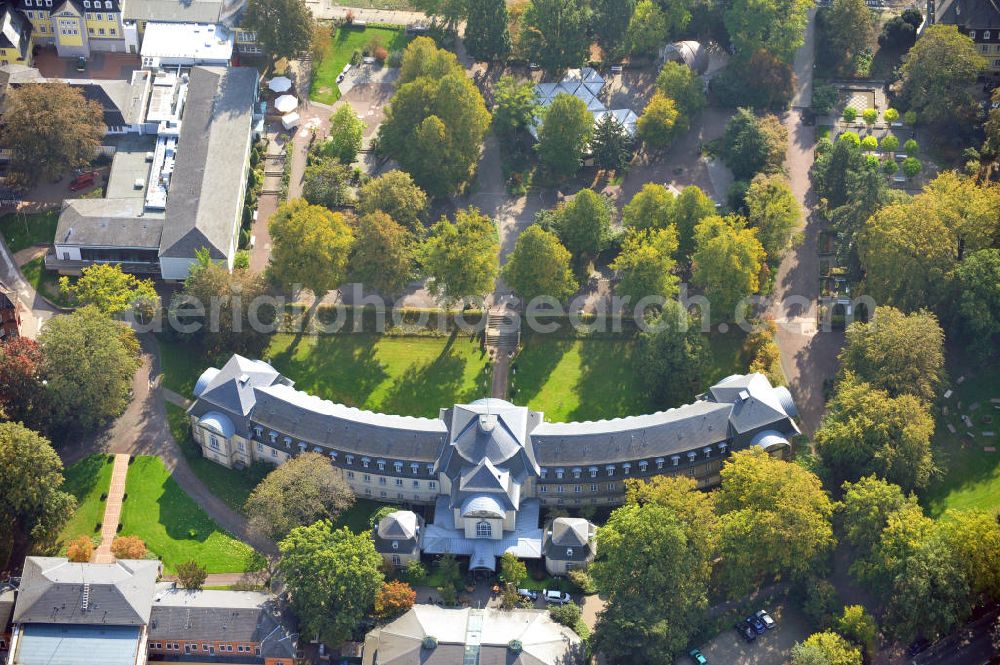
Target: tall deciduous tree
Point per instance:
(32, 503)
(848, 28)
(828, 645)
(555, 33)
(584, 224)
(395, 194)
(774, 518)
(326, 183)
(90, 361)
(753, 144)
(311, 247)
(681, 84)
(974, 537)
(461, 258)
(646, 263)
(778, 26)
(674, 357)
(394, 599)
(565, 132)
(866, 431)
(284, 28)
(514, 106)
(652, 207)
(647, 30)
(436, 121)
(383, 254)
(691, 206)
(610, 145)
(774, 211)
(978, 279)
(658, 121)
(938, 74)
(539, 266)
(609, 23)
(726, 263)
(864, 511)
(51, 128)
(110, 290)
(346, 134)
(333, 577)
(902, 354)
(23, 395)
(449, 11)
(303, 490)
(486, 34)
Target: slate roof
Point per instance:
(569, 539)
(543, 642)
(225, 616)
(489, 429)
(15, 30)
(7, 596)
(205, 202)
(231, 389)
(53, 590)
(403, 527)
(175, 11)
(970, 14)
(525, 540)
(108, 223)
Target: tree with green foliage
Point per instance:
(333, 577)
(846, 30)
(774, 519)
(690, 207)
(303, 490)
(634, 623)
(774, 211)
(346, 135)
(726, 263)
(191, 575)
(753, 144)
(646, 29)
(112, 291)
(50, 129)
(449, 11)
(486, 34)
(779, 26)
(515, 106)
(646, 264)
(395, 194)
(512, 570)
(899, 353)
(652, 207)
(311, 246)
(864, 511)
(681, 84)
(870, 116)
(610, 144)
(584, 224)
(973, 535)
(326, 183)
(284, 28)
(889, 143)
(436, 121)
(33, 506)
(939, 73)
(824, 98)
(859, 627)
(867, 431)
(826, 648)
(566, 129)
(978, 280)
(912, 167)
(869, 143)
(658, 121)
(567, 615)
(539, 266)
(610, 21)
(555, 33)
(674, 357)
(383, 254)
(461, 258)
(89, 361)
(900, 32)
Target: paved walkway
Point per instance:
(112, 510)
(35, 311)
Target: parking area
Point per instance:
(99, 65)
(774, 647)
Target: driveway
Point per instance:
(774, 647)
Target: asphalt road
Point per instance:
(970, 645)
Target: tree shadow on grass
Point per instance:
(82, 477)
(342, 368)
(535, 363)
(609, 384)
(424, 388)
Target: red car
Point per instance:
(83, 181)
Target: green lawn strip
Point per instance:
(180, 364)
(401, 5)
(87, 480)
(411, 376)
(173, 526)
(24, 230)
(231, 485)
(46, 282)
(345, 41)
(970, 476)
(357, 517)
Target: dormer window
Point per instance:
(610, 469)
(722, 448)
(414, 468)
(626, 467)
(288, 441)
(302, 446)
(659, 462)
(398, 466)
(692, 455)
(643, 465)
(333, 456)
(107, 4)
(708, 452)
(381, 464)
(274, 437)
(430, 469)
(675, 459)
(972, 34)
(258, 430)
(349, 459)
(559, 474)
(593, 471)
(365, 462)
(986, 35)
(577, 472)
(545, 473)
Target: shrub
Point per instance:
(415, 572)
(910, 118)
(380, 53)
(890, 143)
(80, 549)
(911, 167)
(583, 580)
(128, 547)
(824, 98)
(394, 599)
(890, 166)
(820, 602)
(911, 148)
(870, 116)
(869, 143)
(891, 115)
(850, 137)
(567, 614)
(850, 114)
(191, 575)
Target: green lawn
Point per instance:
(173, 526)
(597, 378)
(46, 282)
(356, 518)
(230, 485)
(411, 376)
(25, 230)
(345, 41)
(87, 480)
(181, 365)
(403, 5)
(971, 476)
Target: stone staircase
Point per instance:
(503, 331)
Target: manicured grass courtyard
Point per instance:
(971, 475)
(346, 40)
(410, 376)
(25, 230)
(87, 480)
(180, 364)
(596, 378)
(173, 526)
(45, 282)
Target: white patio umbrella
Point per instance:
(280, 84)
(286, 103)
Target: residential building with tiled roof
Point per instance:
(979, 19)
